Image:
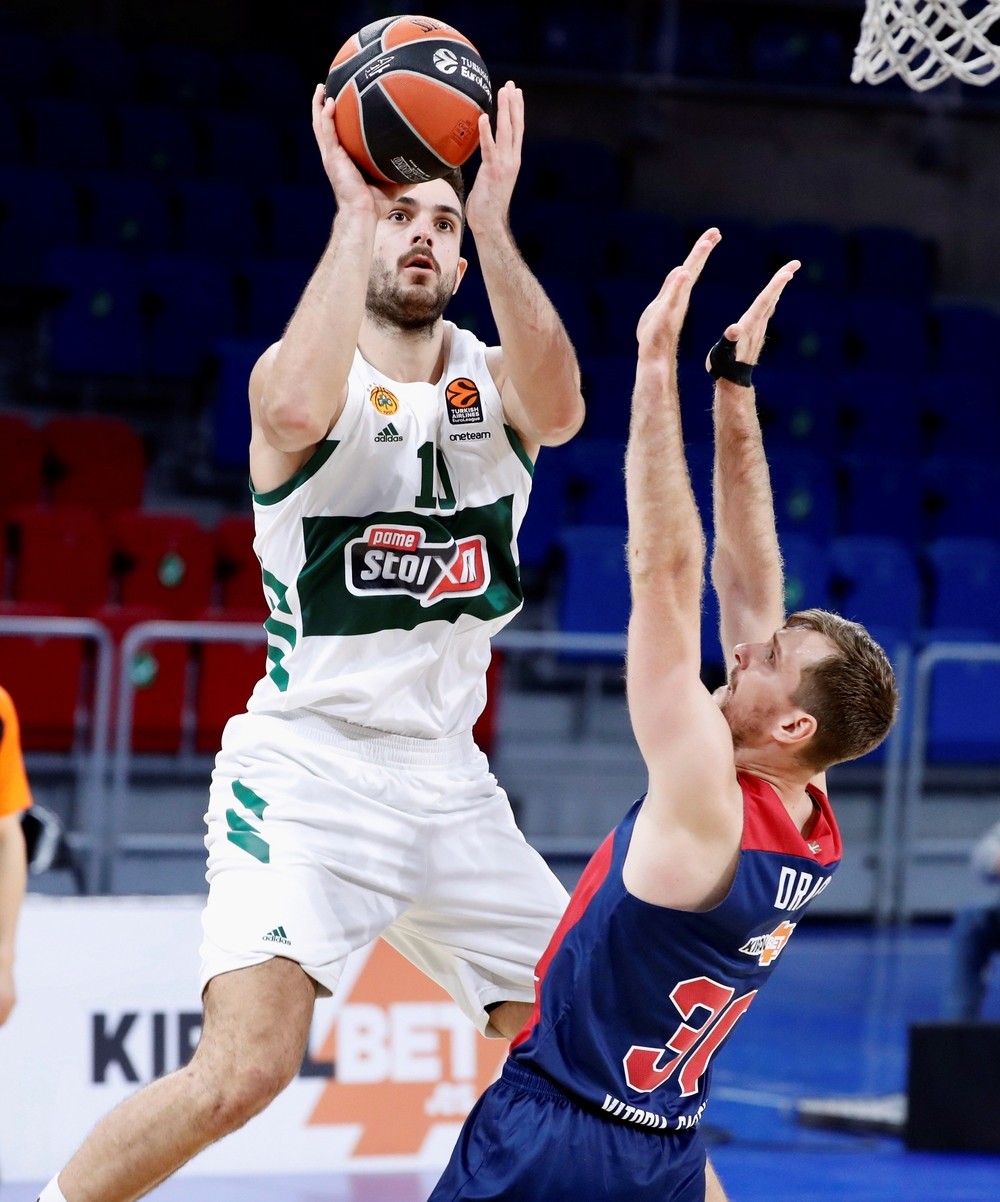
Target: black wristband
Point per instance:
(724, 364)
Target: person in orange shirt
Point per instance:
(15, 798)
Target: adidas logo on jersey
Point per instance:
(388, 434)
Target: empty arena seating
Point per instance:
(94, 461)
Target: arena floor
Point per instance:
(833, 1022)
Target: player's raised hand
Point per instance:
(660, 325)
(350, 187)
(749, 332)
(489, 200)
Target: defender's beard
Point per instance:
(416, 307)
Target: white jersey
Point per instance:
(389, 559)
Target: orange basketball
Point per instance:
(409, 93)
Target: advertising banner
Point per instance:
(107, 1001)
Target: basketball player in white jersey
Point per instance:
(391, 459)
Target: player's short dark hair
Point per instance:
(852, 693)
(457, 180)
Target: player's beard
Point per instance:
(416, 307)
(746, 725)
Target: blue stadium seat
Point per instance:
(192, 303)
(880, 410)
(216, 217)
(890, 261)
(821, 248)
(470, 307)
(89, 63)
(619, 304)
(12, 139)
(881, 494)
(960, 412)
(271, 289)
(540, 530)
(157, 139)
(595, 482)
(965, 585)
(188, 75)
(64, 140)
(959, 333)
(559, 238)
(233, 360)
(807, 573)
(875, 581)
(39, 211)
(125, 211)
(24, 61)
(879, 327)
(644, 246)
(807, 331)
(238, 143)
(594, 597)
(803, 489)
(797, 408)
(960, 494)
(572, 304)
(299, 219)
(607, 382)
(95, 326)
(963, 717)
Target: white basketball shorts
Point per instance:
(323, 836)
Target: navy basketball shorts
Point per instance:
(527, 1141)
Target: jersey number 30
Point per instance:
(648, 1068)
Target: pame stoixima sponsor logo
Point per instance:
(401, 561)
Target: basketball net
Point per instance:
(927, 41)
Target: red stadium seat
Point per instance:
(61, 557)
(238, 566)
(95, 461)
(21, 449)
(159, 674)
(228, 674)
(165, 560)
(43, 673)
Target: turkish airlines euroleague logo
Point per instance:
(464, 402)
(400, 561)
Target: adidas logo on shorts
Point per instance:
(389, 434)
(277, 936)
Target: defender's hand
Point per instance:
(748, 333)
(659, 327)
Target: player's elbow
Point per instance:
(562, 421)
(292, 425)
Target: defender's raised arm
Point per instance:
(746, 559)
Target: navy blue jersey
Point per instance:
(633, 1000)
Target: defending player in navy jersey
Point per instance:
(683, 912)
